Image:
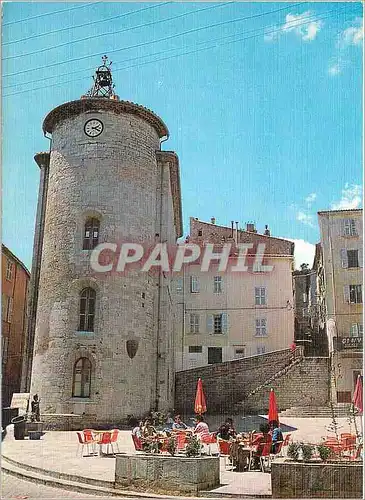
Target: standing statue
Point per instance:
(35, 416)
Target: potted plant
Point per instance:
(294, 451)
(171, 445)
(324, 452)
(193, 447)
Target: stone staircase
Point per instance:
(340, 410)
(241, 405)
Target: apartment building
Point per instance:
(342, 247)
(226, 315)
(15, 280)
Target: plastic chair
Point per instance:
(207, 441)
(224, 451)
(106, 439)
(89, 438)
(181, 441)
(137, 443)
(114, 439)
(82, 443)
(263, 451)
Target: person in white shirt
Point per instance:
(201, 428)
(137, 431)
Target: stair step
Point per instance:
(48, 480)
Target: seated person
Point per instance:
(226, 431)
(259, 442)
(277, 437)
(148, 430)
(179, 424)
(201, 428)
(138, 430)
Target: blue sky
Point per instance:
(266, 120)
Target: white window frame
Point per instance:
(217, 284)
(9, 314)
(349, 227)
(356, 294)
(260, 296)
(261, 327)
(260, 349)
(348, 260)
(218, 318)
(194, 284)
(9, 270)
(194, 323)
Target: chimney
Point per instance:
(236, 234)
(212, 220)
(232, 224)
(267, 231)
(250, 227)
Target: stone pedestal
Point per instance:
(33, 427)
(316, 480)
(161, 473)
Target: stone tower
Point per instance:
(102, 344)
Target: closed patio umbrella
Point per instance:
(273, 408)
(357, 400)
(200, 405)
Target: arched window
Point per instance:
(91, 234)
(81, 378)
(87, 310)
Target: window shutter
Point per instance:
(210, 323)
(360, 257)
(346, 293)
(353, 227)
(342, 227)
(224, 322)
(344, 259)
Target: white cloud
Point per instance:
(302, 25)
(310, 198)
(351, 197)
(304, 218)
(303, 252)
(335, 68)
(351, 36)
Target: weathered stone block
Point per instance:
(166, 473)
(316, 480)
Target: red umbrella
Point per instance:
(200, 405)
(358, 395)
(273, 408)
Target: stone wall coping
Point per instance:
(74, 108)
(237, 361)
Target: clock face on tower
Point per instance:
(93, 127)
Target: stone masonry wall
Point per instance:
(114, 177)
(226, 385)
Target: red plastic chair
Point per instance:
(181, 441)
(137, 443)
(106, 439)
(263, 452)
(81, 443)
(114, 439)
(224, 451)
(89, 438)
